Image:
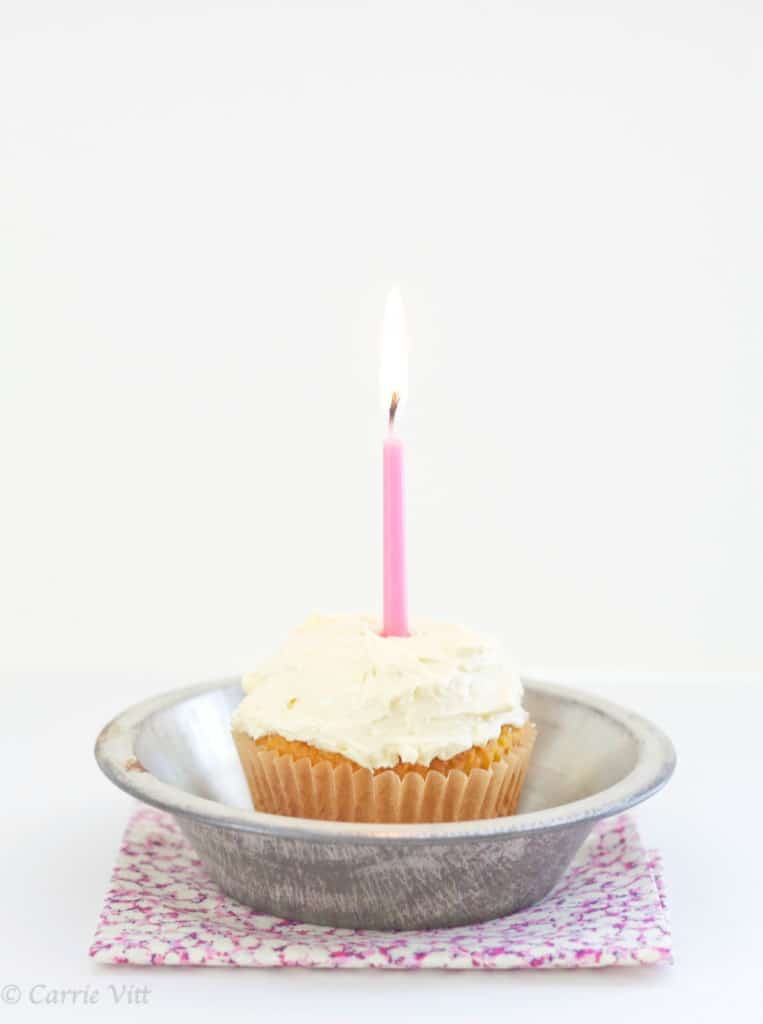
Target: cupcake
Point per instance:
(344, 724)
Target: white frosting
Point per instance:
(340, 686)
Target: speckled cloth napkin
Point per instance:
(162, 909)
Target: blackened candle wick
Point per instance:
(394, 402)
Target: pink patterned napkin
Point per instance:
(161, 908)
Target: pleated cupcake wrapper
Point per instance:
(279, 784)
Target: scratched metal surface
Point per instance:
(592, 759)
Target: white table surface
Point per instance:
(63, 822)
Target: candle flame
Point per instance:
(393, 379)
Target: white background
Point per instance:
(201, 209)
(202, 206)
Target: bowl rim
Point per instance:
(116, 756)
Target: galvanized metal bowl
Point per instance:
(592, 759)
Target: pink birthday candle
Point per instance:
(393, 386)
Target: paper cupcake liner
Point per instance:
(279, 784)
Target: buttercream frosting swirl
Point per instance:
(342, 687)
